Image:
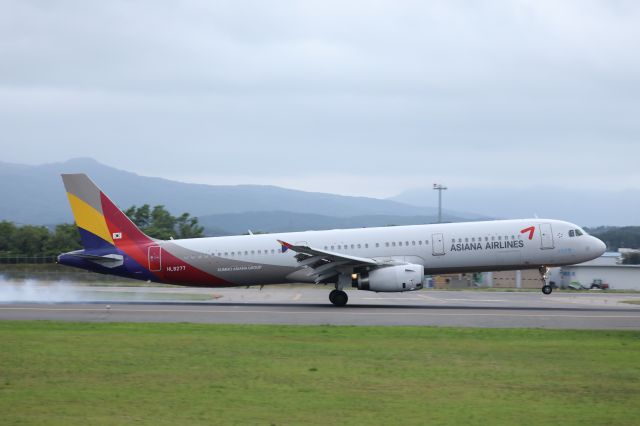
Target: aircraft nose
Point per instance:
(600, 247)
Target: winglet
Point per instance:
(284, 245)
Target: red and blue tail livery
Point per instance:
(114, 245)
(387, 259)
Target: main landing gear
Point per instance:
(338, 297)
(546, 288)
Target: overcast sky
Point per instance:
(350, 97)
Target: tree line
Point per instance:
(35, 241)
(157, 222)
(616, 237)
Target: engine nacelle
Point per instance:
(392, 278)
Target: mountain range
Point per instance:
(35, 195)
(592, 207)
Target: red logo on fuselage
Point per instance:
(531, 230)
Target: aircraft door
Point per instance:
(155, 258)
(546, 236)
(437, 244)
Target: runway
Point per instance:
(308, 305)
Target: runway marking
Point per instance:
(430, 298)
(297, 296)
(210, 311)
(389, 298)
(475, 300)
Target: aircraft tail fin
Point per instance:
(102, 225)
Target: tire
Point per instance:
(338, 297)
(546, 289)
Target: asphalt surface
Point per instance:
(309, 305)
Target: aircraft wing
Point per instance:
(325, 264)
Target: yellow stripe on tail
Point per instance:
(89, 218)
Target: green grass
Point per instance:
(631, 302)
(59, 373)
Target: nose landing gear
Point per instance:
(546, 288)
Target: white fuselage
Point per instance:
(439, 248)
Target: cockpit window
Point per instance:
(572, 233)
(579, 233)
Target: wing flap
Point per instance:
(324, 264)
(328, 255)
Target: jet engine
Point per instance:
(391, 278)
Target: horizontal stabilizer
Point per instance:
(108, 260)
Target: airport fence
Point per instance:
(13, 260)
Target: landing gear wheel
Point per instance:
(544, 272)
(338, 297)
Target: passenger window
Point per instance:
(426, 242)
(420, 242)
(400, 243)
(413, 243)
(253, 252)
(406, 243)
(499, 238)
(466, 240)
(358, 245)
(377, 245)
(365, 246)
(393, 244)
(572, 233)
(226, 253)
(386, 244)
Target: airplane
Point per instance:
(383, 259)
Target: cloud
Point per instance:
(358, 96)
